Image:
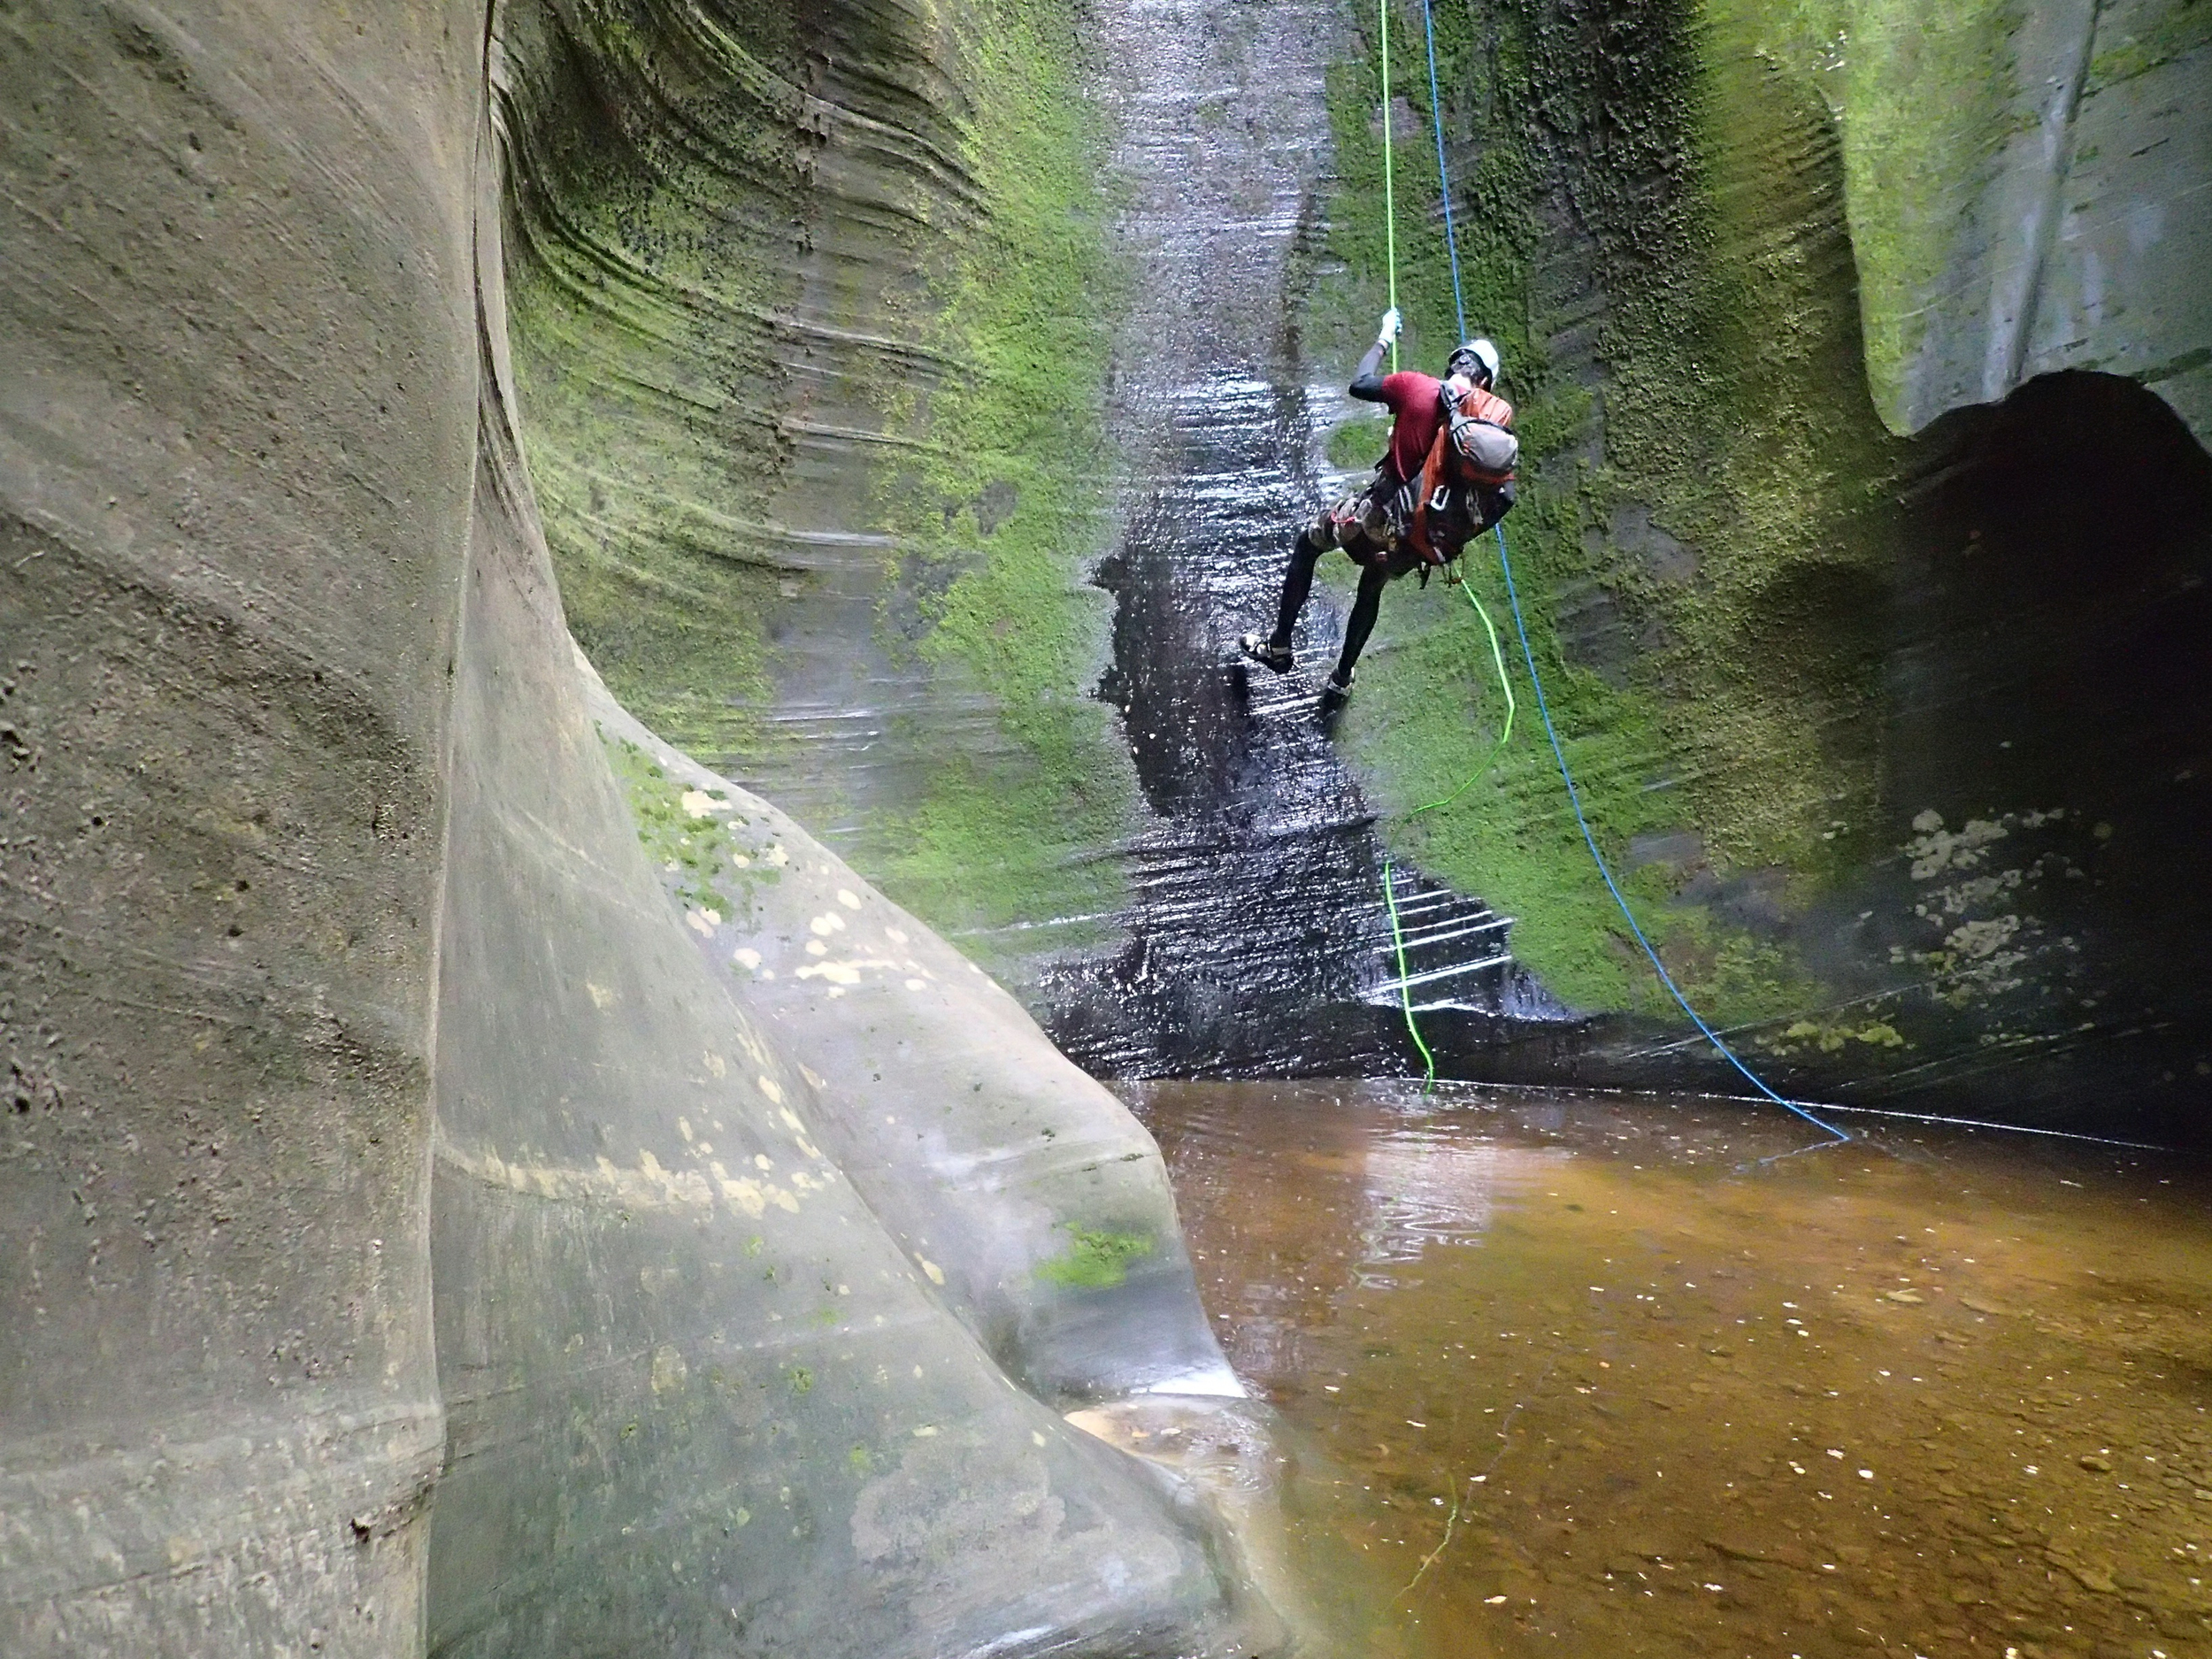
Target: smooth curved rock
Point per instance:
(237, 432)
(1016, 1183)
(697, 1396)
(351, 1033)
(2027, 195)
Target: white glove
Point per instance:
(1390, 322)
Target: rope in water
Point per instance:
(1390, 881)
(1528, 654)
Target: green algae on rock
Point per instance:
(1096, 1258)
(1727, 562)
(412, 1243)
(1001, 509)
(1690, 536)
(810, 333)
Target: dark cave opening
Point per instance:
(2050, 658)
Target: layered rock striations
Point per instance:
(810, 319)
(1893, 743)
(803, 394)
(412, 1242)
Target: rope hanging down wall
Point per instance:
(1528, 654)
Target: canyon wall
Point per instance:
(1878, 685)
(452, 1201)
(414, 1242)
(1893, 741)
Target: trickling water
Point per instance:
(1624, 1389)
(1256, 936)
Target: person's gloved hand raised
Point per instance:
(1390, 324)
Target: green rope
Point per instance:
(1390, 195)
(1390, 884)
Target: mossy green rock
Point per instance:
(1784, 649)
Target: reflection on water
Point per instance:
(1579, 1375)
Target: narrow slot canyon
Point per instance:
(684, 974)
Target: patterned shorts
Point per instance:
(1366, 527)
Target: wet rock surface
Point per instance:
(1785, 675)
(1257, 939)
(2048, 217)
(1018, 1185)
(409, 1237)
(833, 453)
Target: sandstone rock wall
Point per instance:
(1891, 742)
(412, 1242)
(2026, 190)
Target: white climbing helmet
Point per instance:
(1476, 355)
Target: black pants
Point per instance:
(1298, 585)
(1378, 566)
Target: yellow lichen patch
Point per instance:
(846, 973)
(698, 803)
(769, 1086)
(746, 958)
(648, 1186)
(703, 922)
(669, 1369)
(816, 948)
(1975, 941)
(791, 1122)
(813, 1080)
(683, 1128)
(777, 855)
(935, 1273)
(847, 897)
(1934, 850)
(745, 1194)
(717, 1065)
(829, 922)
(600, 997)
(897, 938)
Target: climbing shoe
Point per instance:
(1266, 652)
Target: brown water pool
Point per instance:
(1580, 1375)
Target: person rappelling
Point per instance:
(1446, 476)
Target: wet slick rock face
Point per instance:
(360, 1289)
(1018, 1185)
(698, 1398)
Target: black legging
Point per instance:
(1298, 585)
(1374, 576)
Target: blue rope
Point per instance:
(1574, 798)
(1443, 175)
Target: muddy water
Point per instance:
(1579, 1375)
